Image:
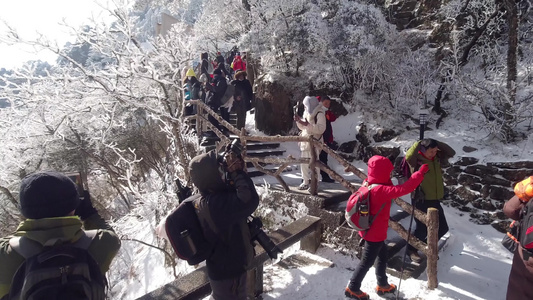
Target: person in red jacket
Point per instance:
(379, 171)
(238, 64)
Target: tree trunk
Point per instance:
(512, 18)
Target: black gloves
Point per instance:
(86, 208)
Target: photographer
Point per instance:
(228, 198)
(55, 217)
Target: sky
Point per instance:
(473, 265)
(31, 18)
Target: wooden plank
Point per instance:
(192, 286)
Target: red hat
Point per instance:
(319, 98)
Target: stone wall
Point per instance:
(482, 189)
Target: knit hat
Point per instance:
(47, 195)
(191, 73)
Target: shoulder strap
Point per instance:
(316, 120)
(205, 215)
(382, 206)
(28, 247)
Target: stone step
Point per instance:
(410, 269)
(261, 145)
(253, 172)
(265, 153)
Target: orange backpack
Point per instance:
(524, 189)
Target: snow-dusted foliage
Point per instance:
(116, 115)
(477, 63)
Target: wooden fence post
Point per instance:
(433, 248)
(254, 278)
(313, 188)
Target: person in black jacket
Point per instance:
(216, 90)
(221, 65)
(242, 97)
(228, 197)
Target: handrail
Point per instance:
(429, 249)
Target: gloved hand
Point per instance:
(85, 209)
(233, 162)
(424, 168)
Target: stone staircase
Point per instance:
(253, 149)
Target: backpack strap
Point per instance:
(381, 208)
(316, 120)
(205, 215)
(27, 247)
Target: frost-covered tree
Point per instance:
(119, 121)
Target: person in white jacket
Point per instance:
(313, 122)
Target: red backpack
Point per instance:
(358, 209)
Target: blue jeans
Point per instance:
(372, 251)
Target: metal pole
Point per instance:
(423, 120)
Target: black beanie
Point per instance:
(47, 195)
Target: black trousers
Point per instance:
(212, 119)
(229, 289)
(371, 251)
(323, 157)
(421, 231)
(224, 113)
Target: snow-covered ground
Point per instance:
(473, 264)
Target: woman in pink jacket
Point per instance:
(379, 171)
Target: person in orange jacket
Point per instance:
(379, 171)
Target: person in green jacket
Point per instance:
(434, 154)
(56, 214)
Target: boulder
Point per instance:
(347, 147)
(273, 110)
(512, 165)
(500, 193)
(466, 161)
(384, 135)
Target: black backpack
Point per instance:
(521, 231)
(186, 233)
(66, 271)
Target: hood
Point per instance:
(310, 103)
(190, 72)
(205, 174)
(379, 170)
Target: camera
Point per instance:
(78, 180)
(255, 225)
(235, 147)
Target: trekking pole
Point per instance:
(407, 246)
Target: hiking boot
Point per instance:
(303, 186)
(415, 257)
(386, 290)
(355, 295)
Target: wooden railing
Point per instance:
(431, 219)
(195, 285)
